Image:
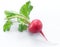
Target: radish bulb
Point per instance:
(36, 27)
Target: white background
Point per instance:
(48, 11)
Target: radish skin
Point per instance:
(35, 27)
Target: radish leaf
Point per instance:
(7, 26)
(26, 9)
(22, 27)
(9, 14)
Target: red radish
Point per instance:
(36, 26)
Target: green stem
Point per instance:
(20, 16)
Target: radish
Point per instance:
(36, 27)
(23, 19)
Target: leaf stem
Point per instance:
(19, 16)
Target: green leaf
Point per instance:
(26, 9)
(7, 26)
(22, 27)
(9, 14)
